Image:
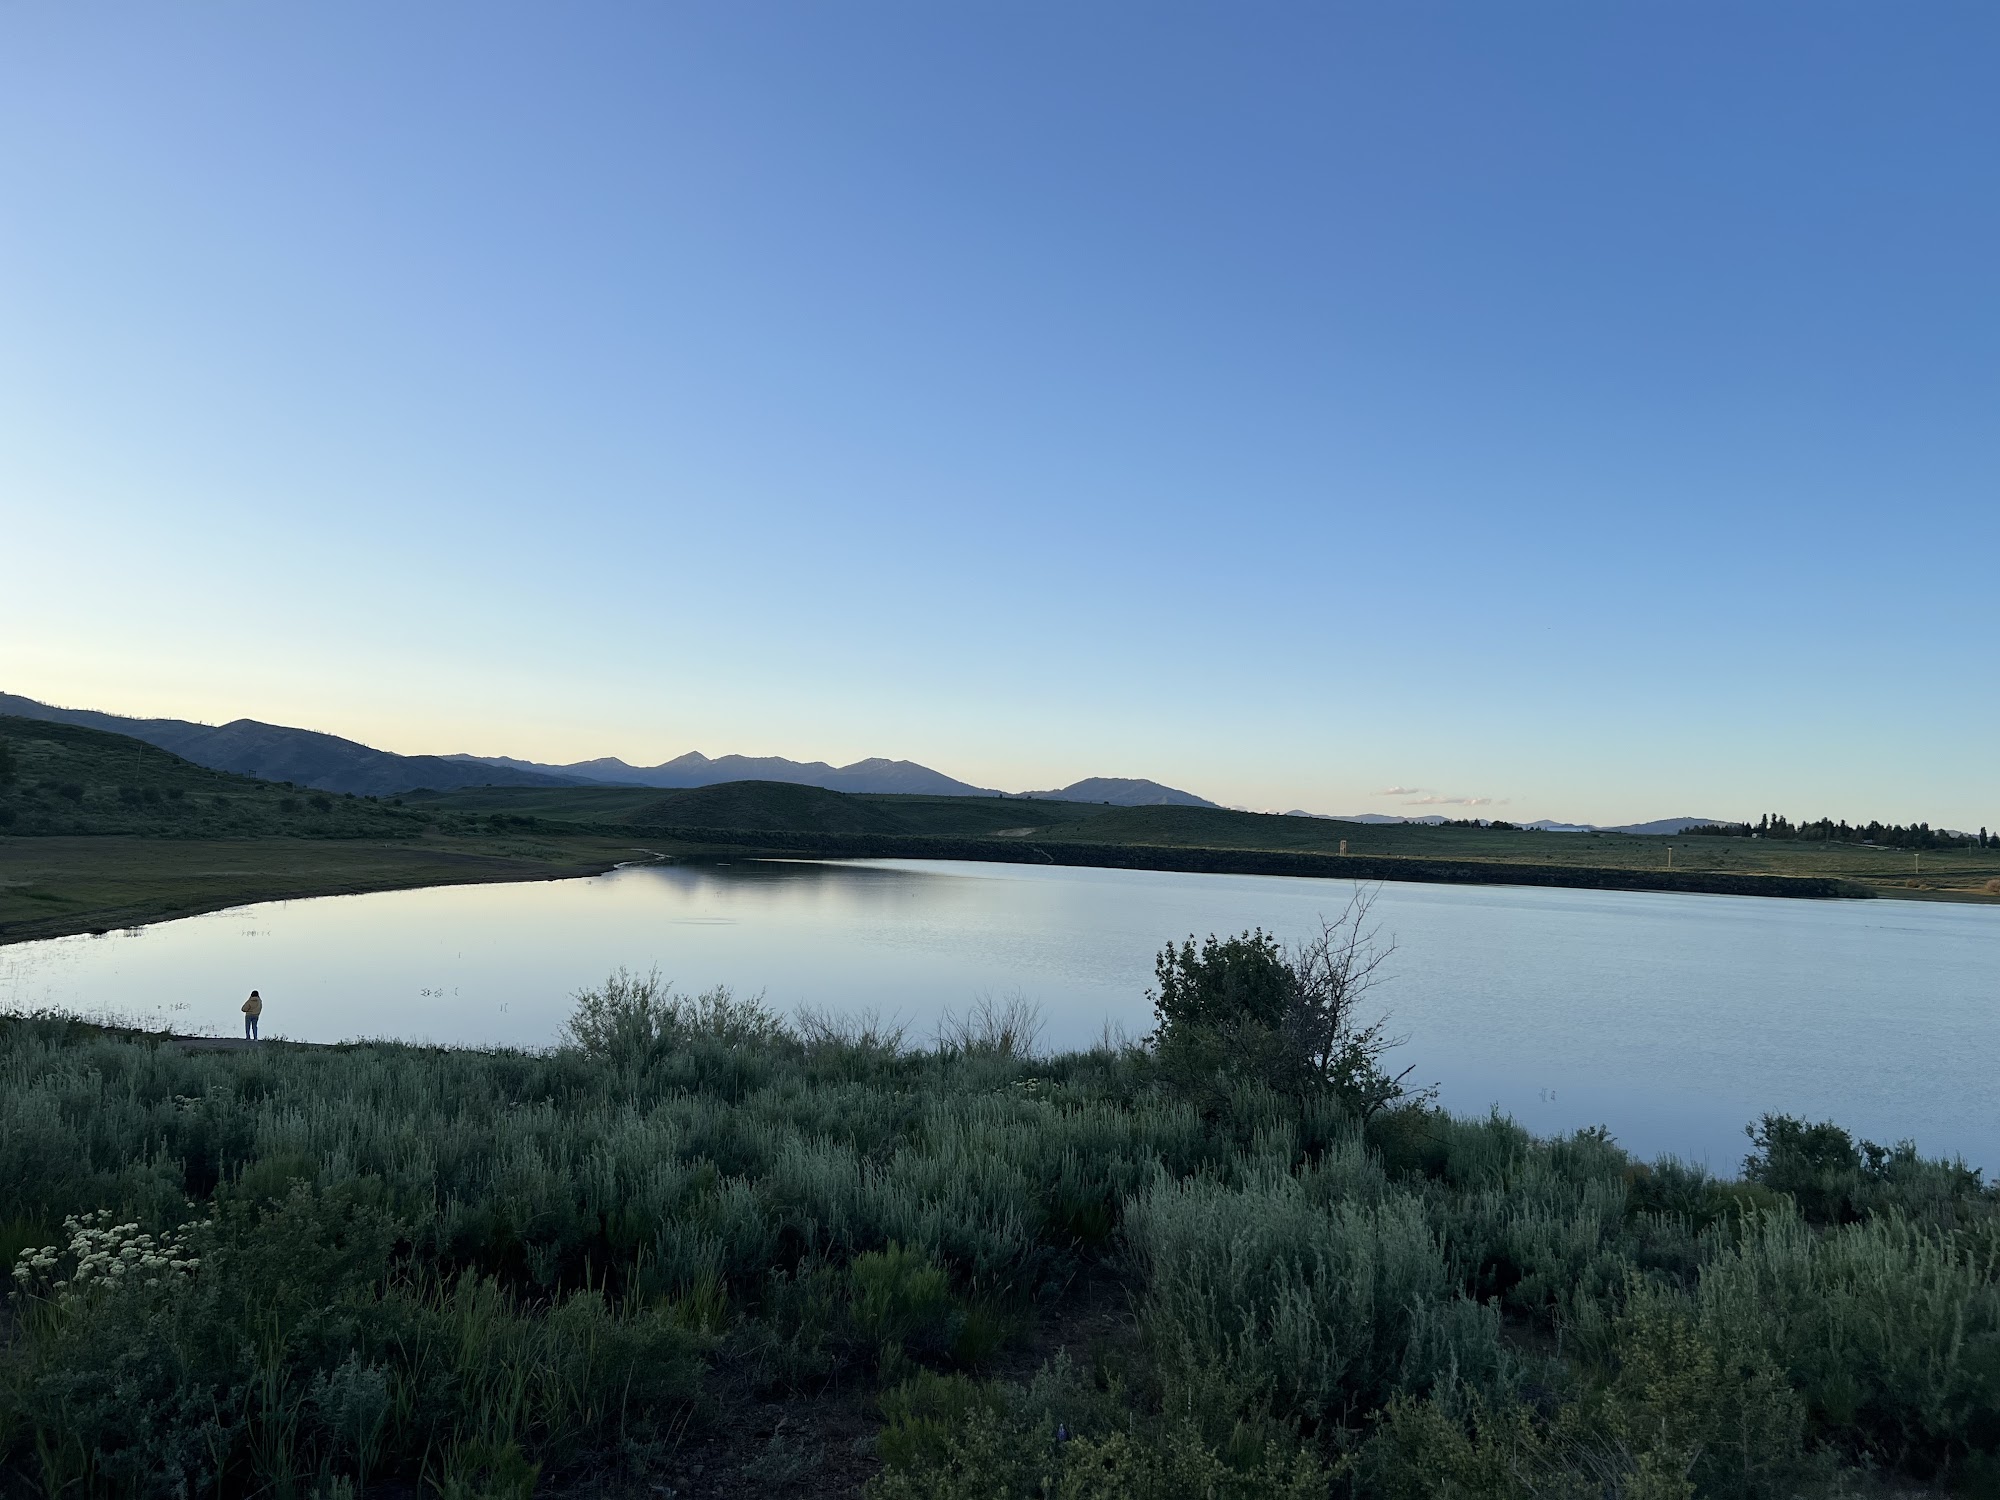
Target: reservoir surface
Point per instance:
(1671, 1019)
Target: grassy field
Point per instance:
(699, 1251)
(53, 886)
(752, 806)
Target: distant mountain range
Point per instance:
(1658, 825)
(1542, 825)
(873, 775)
(696, 769)
(327, 763)
(324, 762)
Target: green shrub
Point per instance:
(1453, 1446)
(635, 1018)
(1889, 1331)
(1818, 1165)
(1834, 1180)
(287, 1348)
(1687, 1402)
(795, 1341)
(1677, 1418)
(1242, 1008)
(1320, 1311)
(923, 1416)
(949, 1438)
(901, 1303)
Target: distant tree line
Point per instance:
(1825, 830)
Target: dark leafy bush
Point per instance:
(1834, 1180)
(1818, 1165)
(1242, 1008)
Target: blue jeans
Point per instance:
(250, 1027)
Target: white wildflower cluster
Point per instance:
(103, 1253)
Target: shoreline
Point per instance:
(212, 876)
(455, 867)
(1209, 861)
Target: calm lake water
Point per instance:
(1671, 1019)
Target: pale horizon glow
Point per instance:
(1567, 412)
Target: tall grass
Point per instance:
(509, 1272)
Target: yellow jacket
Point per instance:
(253, 1006)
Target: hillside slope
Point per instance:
(68, 779)
(1123, 791)
(274, 752)
(765, 806)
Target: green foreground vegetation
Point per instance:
(100, 831)
(698, 1250)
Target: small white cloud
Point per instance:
(1400, 791)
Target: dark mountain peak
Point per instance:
(693, 769)
(608, 766)
(1667, 825)
(1123, 791)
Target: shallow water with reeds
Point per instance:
(1670, 1019)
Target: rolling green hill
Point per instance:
(100, 830)
(70, 780)
(766, 806)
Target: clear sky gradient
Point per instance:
(1591, 408)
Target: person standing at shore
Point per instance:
(252, 1009)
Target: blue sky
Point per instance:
(1590, 408)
